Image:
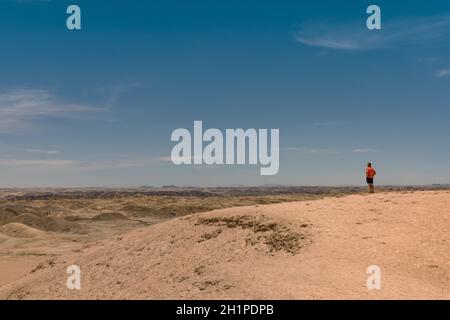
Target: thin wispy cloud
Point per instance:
(116, 164)
(428, 60)
(178, 158)
(43, 152)
(40, 163)
(443, 73)
(355, 36)
(325, 124)
(21, 107)
(78, 165)
(118, 91)
(311, 151)
(365, 150)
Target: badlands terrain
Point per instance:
(225, 243)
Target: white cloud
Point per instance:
(311, 151)
(178, 158)
(326, 124)
(443, 73)
(365, 150)
(116, 92)
(114, 164)
(41, 151)
(78, 165)
(355, 36)
(428, 59)
(33, 163)
(21, 107)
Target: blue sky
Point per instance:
(96, 107)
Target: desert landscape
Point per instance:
(225, 243)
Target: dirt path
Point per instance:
(301, 250)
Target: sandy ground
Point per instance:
(13, 268)
(39, 224)
(317, 249)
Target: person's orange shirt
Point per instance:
(370, 172)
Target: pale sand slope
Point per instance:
(320, 249)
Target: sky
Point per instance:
(97, 106)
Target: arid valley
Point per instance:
(225, 243)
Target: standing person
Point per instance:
(370, 174)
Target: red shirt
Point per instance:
(370, 172)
